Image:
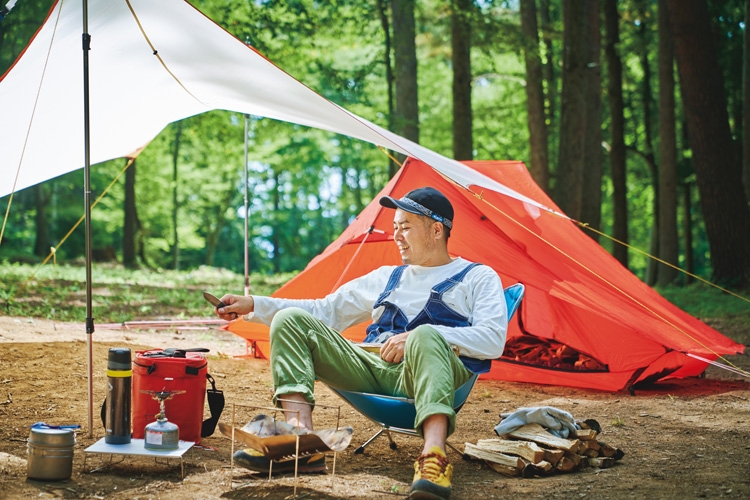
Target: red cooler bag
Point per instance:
(172, 370)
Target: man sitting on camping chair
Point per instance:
(424, 313)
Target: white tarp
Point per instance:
(152, 63)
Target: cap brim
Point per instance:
(389, 202)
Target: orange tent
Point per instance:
(585, 320)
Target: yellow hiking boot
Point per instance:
(432, 476)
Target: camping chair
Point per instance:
(397, 414)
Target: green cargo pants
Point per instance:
(303, 348)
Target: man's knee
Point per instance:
(287, 320)
(424, 337)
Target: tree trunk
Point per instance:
(41, 202)
(617, 130)
(687, 232)
(175, 200)
(648, 153)
(591, 202)
(385, 22)
(406, 121)
(463, 146)
(549, 61)
(215, 221)
(746, 104)
(535, 96)
(129, 228)
(569, 181)
(718, 171)
(667, 216)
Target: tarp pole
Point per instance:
(247, 258)
(86, 39)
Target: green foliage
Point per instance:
(59, 292)
(18, 27)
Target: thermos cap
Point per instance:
(119, 358)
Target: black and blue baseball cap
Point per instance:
(425, 201)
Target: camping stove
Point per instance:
(162, 434)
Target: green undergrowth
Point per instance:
(58, 292)
(707, 302)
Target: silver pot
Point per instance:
(50, 453)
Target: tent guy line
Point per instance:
(732, 368)
(585, 225)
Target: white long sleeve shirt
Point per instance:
(479, 297)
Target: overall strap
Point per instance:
(454, 280)
(391, 285)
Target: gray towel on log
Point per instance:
(557, 422)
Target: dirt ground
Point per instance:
(685, 439)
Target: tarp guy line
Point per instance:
(28, 128)
(156, 53)
(75, 226)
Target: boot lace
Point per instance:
(432, 466)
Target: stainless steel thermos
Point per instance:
(119, 380)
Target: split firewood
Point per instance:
(591, 444)
(589, 423)
(532, 355)
(542, 468)
(525, 449)
(504, 469)
(591, 453)
(565, 465)
(491, 456)
(575, 458)
(565, 351)
(539, 352)
(537, 434)
(610, 451)
(553, 456)
(586, 434)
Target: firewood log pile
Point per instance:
(549, 353)
(532, 451)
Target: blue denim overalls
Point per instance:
(435, 312)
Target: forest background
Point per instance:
(629, 113)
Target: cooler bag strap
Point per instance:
(215, 405)
(173, 352)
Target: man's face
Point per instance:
(416, 237)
